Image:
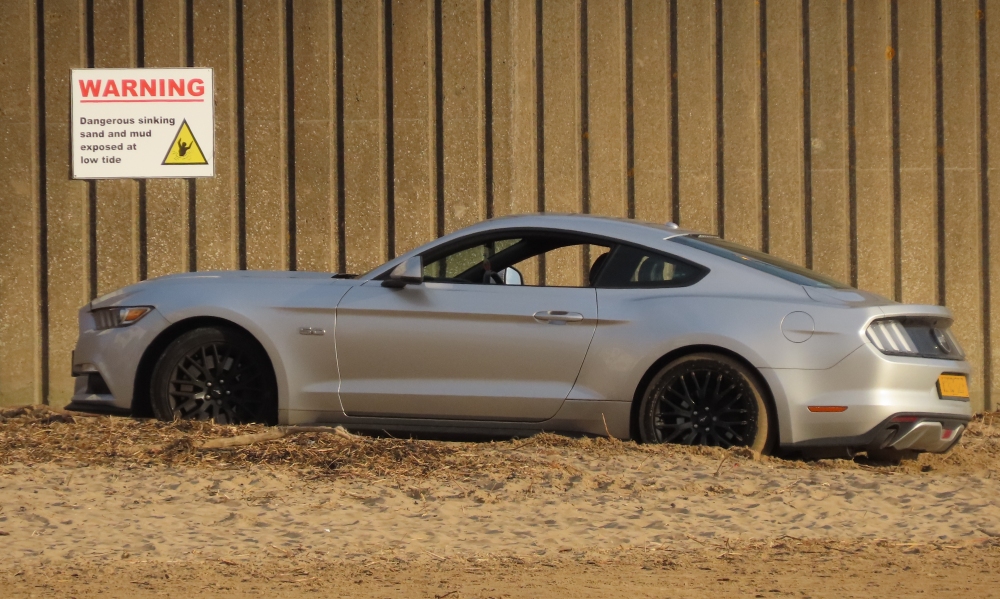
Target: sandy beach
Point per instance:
(90, 506)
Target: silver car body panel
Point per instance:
(491, 358)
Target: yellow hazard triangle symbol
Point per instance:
(184, 149)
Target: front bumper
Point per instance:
(105, 362)
(874, 388)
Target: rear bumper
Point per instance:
(934, 433)
(870, 389)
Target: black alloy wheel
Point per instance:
(219, 374)
(705, 399)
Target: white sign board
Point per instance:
(142, 123)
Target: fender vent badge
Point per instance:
(311, 331)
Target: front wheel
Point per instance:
(215, 373)
(705, 399)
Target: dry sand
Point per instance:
(111, 506)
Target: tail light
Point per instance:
(915, 337)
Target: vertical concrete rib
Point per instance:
(439, 213)
(67, 231)
(515, 189)
(117, 200)
(140, 61)
(897, 200)
(20, 351)
(464, 173)
(289, 66)
(389, 131)
(697, 131)
(962, 194)
(43, 205)
(192, 187)
(873, 134)
(413, 77)
(762, 131)
(315, 138)
(915, 58)
(989, 73)
(364, 135)
(651, 108)
(785, 132)
(338, 40)
(629, 111)
(829, 125)
(488, 105)
(213, 27)
(675, 129)
(563, 127)
(241, 135)
(167, 223)
(720, 128)
(608, 108)
(266, 135)
(741, 101)
(584, 66)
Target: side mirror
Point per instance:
(511, 276)
(410, 272)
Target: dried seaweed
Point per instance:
(38, 434)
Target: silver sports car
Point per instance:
(540, 322)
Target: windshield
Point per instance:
(759, 261)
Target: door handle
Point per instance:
(557, 316)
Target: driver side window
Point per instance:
(454, 265)
(545, 259)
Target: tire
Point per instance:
(706, 399)
(215, 373)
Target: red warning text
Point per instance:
(142, 90)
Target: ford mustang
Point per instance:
(567, 323)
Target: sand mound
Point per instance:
(37, 434)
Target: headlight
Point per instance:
(109, 318)
(917, 337)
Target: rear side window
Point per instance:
(759, 261)
(629, 266)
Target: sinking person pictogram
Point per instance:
(185, 149)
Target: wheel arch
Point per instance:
(141, 404)
(680, 352)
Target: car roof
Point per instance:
(623, 228)
(620, 229)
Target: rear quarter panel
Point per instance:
(729, 309)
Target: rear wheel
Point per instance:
(215, 373)
(705, 399)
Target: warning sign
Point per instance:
(142, 123)
(185, 148)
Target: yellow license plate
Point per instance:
(953, 385)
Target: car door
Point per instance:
(462, 351)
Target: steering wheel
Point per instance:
(491, 275)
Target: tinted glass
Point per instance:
(629, 266)
(455, 264)
(759, 261)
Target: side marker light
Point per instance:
(827, 408)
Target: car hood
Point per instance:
(119, 296)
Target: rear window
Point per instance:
(759, 261)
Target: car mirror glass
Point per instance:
(511, 276)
